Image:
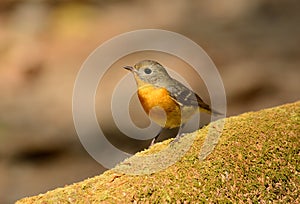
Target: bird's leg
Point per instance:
(155, 138)
(179, 135)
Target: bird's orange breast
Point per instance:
(160, 106)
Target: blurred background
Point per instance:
(254, 44)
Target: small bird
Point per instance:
(166, 101)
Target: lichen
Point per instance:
(256, 159)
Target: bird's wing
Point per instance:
(186, 97)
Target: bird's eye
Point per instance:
(148, 71)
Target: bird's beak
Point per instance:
(130, 68)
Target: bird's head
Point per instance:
(149, 71)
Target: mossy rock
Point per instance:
(257, 159)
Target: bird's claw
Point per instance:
(177, 139)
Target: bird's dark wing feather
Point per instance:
(186, 97)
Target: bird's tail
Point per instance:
(203, 107)
(207, 109)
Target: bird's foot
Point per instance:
(177, 139)
(152, 142)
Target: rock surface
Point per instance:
(256, 160)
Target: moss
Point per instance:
(256, 159)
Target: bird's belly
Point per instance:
(162, 109)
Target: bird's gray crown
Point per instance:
(151, 72)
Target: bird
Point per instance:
(165, 100)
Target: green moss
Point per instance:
(256, 160)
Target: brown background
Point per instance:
(254, 44)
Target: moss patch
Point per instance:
(257, 159)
